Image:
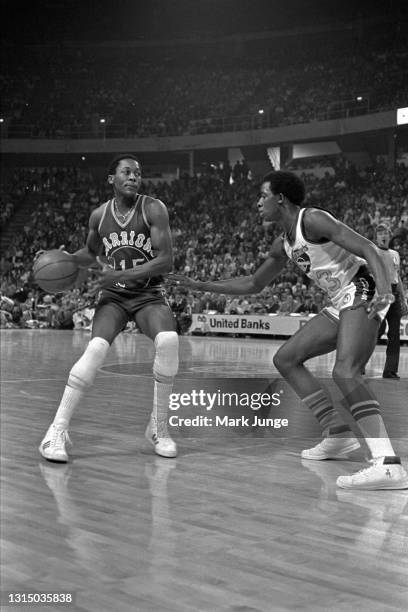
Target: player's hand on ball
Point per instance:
(41, 251)
(183, 281)
(378, 303)
(106, 276)
(38, 254)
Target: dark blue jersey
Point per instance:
(127, 244)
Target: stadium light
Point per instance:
(359, 98)
(1, 120)
(261, 111)
(102, 120)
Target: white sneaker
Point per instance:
(331, 448)
(158, 436)
(54, 443)
(380, 475)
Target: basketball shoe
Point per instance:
(384, 473)
(54, 445)
(157, 434)
(331, 448)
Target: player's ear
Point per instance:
(280, 201)
(110, 179)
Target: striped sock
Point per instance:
(322, 409)
(364, 409)
(367, 415)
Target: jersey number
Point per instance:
(327, 280)
(135, 262)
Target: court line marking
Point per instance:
(21, 380)
(38, 397)
(149, 376)
(235, 448)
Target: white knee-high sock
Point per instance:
(161, 396)
(164, 369)
(81, 376)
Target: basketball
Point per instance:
(55, 271)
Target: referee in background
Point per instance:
(397, 309)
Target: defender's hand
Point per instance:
(378, 303)
(184, 281)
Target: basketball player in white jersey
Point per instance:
(398, 308)
(129, 237)
(350, 270)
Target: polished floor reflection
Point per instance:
(237, 523)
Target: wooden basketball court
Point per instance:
(237, 523)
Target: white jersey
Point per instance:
(329, 265)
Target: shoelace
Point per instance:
(161, 428)
(59, 439)
(374, 463)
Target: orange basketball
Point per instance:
(55, 271)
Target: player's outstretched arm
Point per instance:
(241, 285)
(319, 224)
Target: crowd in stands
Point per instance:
(12, 192)
(6, 209)
(216, 233)
(64, 92)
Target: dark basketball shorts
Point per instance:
(132, 305)
(358, 293)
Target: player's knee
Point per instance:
(166, 358)
(83, 372)
(284, 360)
(345, 369)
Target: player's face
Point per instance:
(267, 203)
(127, 178)
(383, 238)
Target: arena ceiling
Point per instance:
(100, 20)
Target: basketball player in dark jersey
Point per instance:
(349, 268)
(129, 238)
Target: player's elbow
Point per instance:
(256, 285)
(167, 268)
(91, 252)
(167, 265)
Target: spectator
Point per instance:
(200, 207)
(289, 305)
(307, 306)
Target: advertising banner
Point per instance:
(266, 325)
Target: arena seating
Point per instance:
(200, 207)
